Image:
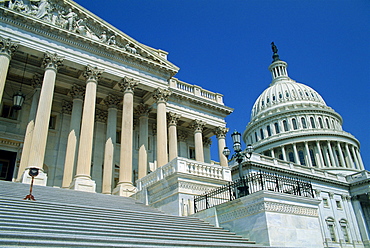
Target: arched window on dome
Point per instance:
(294, 122)
(301, 157)
(285, 124)
(280, 156)
(280, 95)
(277, 130)
(287, 93)
(291, 157)
(312, 120)
(327, 123)
(320, 123)
(300, 93)
(268, 100)
(333, 124)
(312, 156)
(263, 103)
(303, 121)
(268, 130)
(273, 98)
(261, 132)
(255, 136)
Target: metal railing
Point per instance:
(250, 184)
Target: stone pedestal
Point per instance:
(41, 179)
(124, 189)
(83, 184)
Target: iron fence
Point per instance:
(250, 184)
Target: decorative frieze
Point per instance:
(221, 132)
(7, 46)
(77, 91)
(172, 118)
(52, 60)
(67, 107)
(112, 101)
(92, 73)
(128, 84)
(161, 95)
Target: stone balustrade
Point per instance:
(185, 166)
(196, 90)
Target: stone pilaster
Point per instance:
(77, 92)
(221, 138)
(82, 180)
(172, 119)
(7, 49)
(36, 83)
(51, 63)
(161, 96)
(198, 126)
(125, 186)
(142, 110)
(112, 102)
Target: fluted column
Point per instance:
(332, 159)
(284, 153)
(36, 83)
(142, 110)
(98, 147)
(125, 186)
(321, 158)
(172, 135)
(309, 160)
(221, 136)
(161, 96)
(296, 154)
(355, 158)
(7, 49)
(349, 159)
(361, 164)
(112, 102)
(77, 93)
(82, 180)
(36, 159)
(198, 126)
(341, 155)
(272, 153)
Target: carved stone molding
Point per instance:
(112, 101)
(8, 47)
(198, 126)
(101, 115)
(128, 85)
(207, 142)
(161, 95)
(142, 109)
(52, 60)
(77, 91)
(36, 81)
(92, 73)
(331, 195)
(221, 132)
(346, 197)
(66, 107)
(172, 118)
(182, 135)
(317, 192)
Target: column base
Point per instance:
(124, 189)
(83, 184)
(41, 178)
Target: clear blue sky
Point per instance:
(224, 46)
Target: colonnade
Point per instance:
(81, 127)
(323, 154)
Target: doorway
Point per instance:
(7, 164)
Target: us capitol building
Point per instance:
(95, 110)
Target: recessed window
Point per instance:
(7, 111)
(320, 123)
(261, 132)
(325, 202)
(303, 120)
(192, 152)
(312, 156)
(118, 137)
(286, 93)
(52, 122)
(291, 157)
(268, 100)
(277, 130)
(339, 205)
(327, 123)
(330, 224)
(255, 135)
(273, 97)
(268, 130)
(313, 125)
(301, 157)
(295, 127)
(344, 229)
(285, 124)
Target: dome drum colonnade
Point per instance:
(83, 116)
(287, 112)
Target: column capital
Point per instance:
(101, 115)
(52, 60)
(92, 73)
(36, 81)
(112, 101)
(77, 91)
(198, 126)
(7, 46)
(207, 142)
(67, 107)
(221, 132)
(142, 109)
(182, 135)
(128, 85)
(161, 95)
(173, 118)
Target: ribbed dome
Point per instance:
(283, 92)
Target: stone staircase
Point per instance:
(68, 218)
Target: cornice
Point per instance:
(119, 54)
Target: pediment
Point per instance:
(69, 19)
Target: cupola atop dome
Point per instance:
(278, 67)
